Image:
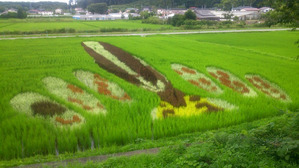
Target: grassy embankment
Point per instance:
(24, 63)
(265, 143)
(69, 25)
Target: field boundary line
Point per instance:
(98, 158)
(150, 34)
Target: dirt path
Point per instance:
(99, 158)
(149, 34)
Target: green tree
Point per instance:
(100, 8)
(177, 20)
(146, 14)
(189, 15)
(2, 9)
(286, 12)
(21, 13)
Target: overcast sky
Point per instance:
(34, 0)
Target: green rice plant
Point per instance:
(25, 63)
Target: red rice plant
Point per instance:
(76, 119)
(166, 113)
(178, 72)
(250, 80)
(210, 108)
(74, 100)
(74, 89)
(273, 90)
(282, 96)
(225, 81)
(245, 90)
(115, 97)
(194, 98)
(223, 74)
(266, 85)
(65, 122)
(266, 92)
(187, 70)
(100, 105)
(86, 107)
(104, 91)
(96, 76)
(126, 97)
(204, 81)
(214, 75)
(214, 88)
(257, 86)
(62, 121)
(101, 84)
(238, 84)
(194, 82)
(162, 105)
(258, 79)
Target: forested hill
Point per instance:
(183, 3)
(33, 5)
(224, 4)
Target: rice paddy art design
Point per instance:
(268, 88)
(231, 81)
(102, 85)
(173, 101)
(74, 95)
(133, 70)
(36, 105)
(195, 106)
(195, 78)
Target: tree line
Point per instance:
(224, 4)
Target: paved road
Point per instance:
(149, 34)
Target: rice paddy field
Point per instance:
(38, 25)
(56, 97)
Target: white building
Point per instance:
(45, 13)
(58, 11)
(265, 9)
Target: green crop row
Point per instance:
(25, 63)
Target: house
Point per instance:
(246, 15)
(147, 8)
(239, 8)
(12, 10)
(33, 12)
(206, 15)
(128, 10)
(58, 11)
(80, 11)
(265, 9)
(45, 13)
(242, 15)
(111, 16)
(249, 10)
(168, 13)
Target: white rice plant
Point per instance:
(23, 101)
(59, 88)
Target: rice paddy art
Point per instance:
(195, 106)
(36, 105)
(131, 69)
(268, 88)
(74, 95)
(173, 101)
(102, 85)
(228, 79)
(196, 78)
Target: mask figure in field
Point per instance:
(134, 70)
